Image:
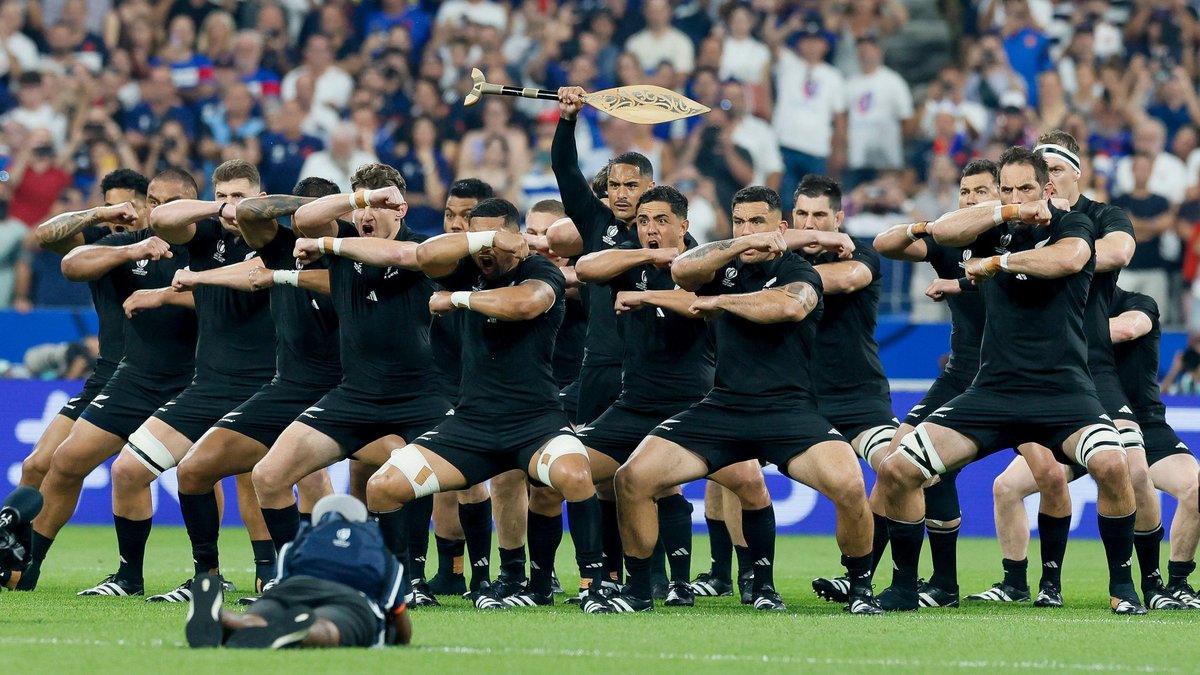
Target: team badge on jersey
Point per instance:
(219, 255)
(610, 236)
(730, 276)
(140, 268)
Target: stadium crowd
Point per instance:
(316, 89)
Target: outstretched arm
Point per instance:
(366, 250)
(527, 300)
(1129, 326)
(698, 266)
(845, 276)
(176, 221)
(140, 301)
(64, 232)
(316, 281)
(1062, 258)
(581, 204)
(88, 263)
(1114, 251)
(792, 302)
(316, 218)
(601, 266)
(439, 256)
(903, 242)
(236, 277)
(257, 216)
(677, 301)
(835, 242)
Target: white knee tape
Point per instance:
(416, 469)
(559, 446)
(918, 449)
(872, 441)
(1132, 439)
(1096, 439)
(150, 451)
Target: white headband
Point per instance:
(1052, 149)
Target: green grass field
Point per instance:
(52, 630)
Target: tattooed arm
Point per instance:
(792, 302)
(65, 231)
(256, 216)
(698, 266)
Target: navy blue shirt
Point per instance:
(282, 159)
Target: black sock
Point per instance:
(1117, 535)
(131, 545)
(392, 526)
(745, 560)
(450, 556)
(544, 535)
(639, 577)
(39, 546)
(264, 558)
(203, 521)
(675, 532)
(1147, 546)
(283, 524)
(512, 564)
(943, 547)
(585, 517)
(476, 522)
(306, 517)
(610, 533)
(658, 562)
(1053, 533)
(1177, 571)
(418, 513)
(879, 541)
(1015, 573)
(858, 571)
(906, 539)
(720, 547)
(758, 526)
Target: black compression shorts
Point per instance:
(94, 385)
(999, 420)
(482, 447)
(196, 409)
(599, 387)
(266, 414)
(1112, 396)
(620, 429)
(852, 417)
(344, 607)
(940, 392)
(354, 420)
(723, 433)
(128, 400)
(569, 398)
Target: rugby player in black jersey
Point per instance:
(156, 360)
(508, 417)
(910, 242)
(596, 225)
(389, 384)
(1114, 249)
(849, 384)
(306, 366)
(462, 520)
(764, 303)
(234, 346)
(1033, 384)
(124, 192)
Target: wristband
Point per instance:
(1005, 213)
(286, 277)
(964, 284)
(917, 231)
(321, 245)
(1004, 262)
(221, 210)
(337, 245)
(461, 299)
(998, 215)
(366, 195)
(477, 241)
(992, 265)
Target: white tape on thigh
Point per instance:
(1132, 439)
(559, 446)
(150, 451)
(1096, 439)
(872, 441)
(919, 450)
(416, 469)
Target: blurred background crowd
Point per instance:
(892, 97)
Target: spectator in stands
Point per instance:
(12, 238)
(235, 117)
(39, 281)
(18, 52)
(1153, 217)
(216, 41)
(160, 103)
(38, 177)
(1175, 102)
(247, 61)
(1168, 176)
(810, 109)
(338, 162)
(191, 71)
(285, 149)
(991, 75)
(63, 360)
(332, 86)
(880, 116)
(428, 175)
(712, 150)
(660, 41)
(743, 57)
(1027, 47)
(170, 147)
(497, 121)
(753, 135)
(860, 18)
(453, 14)
(272, 25)
(34, 110)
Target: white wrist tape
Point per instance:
(321, 245)
(353, 201)
(286, 277)
(909, 232)
(461, 299)
(1004, 262)
(998, 215)
(476, 241)
(337, 246)
(367, 198)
